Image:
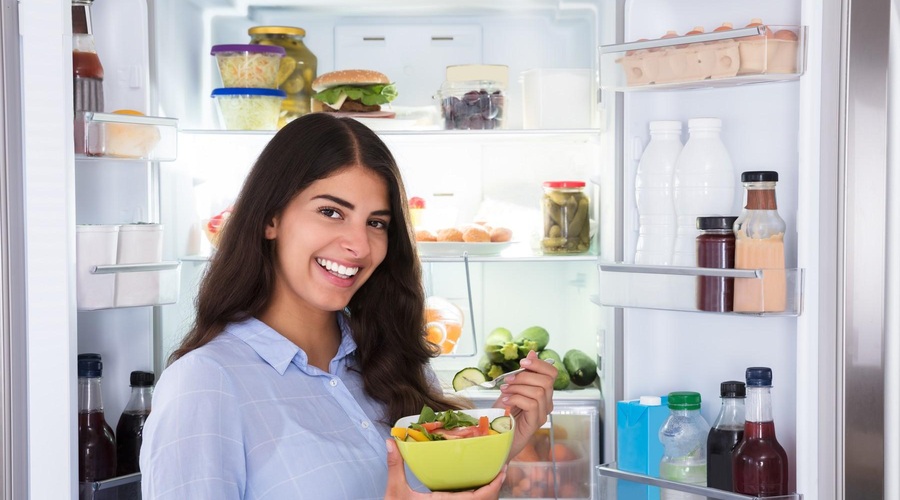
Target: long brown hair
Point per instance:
(386, 314)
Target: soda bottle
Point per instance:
(760, 463)
(654, 194)
(96, 442)
(726, 433)
(683, 437)
(129, 431)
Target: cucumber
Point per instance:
(534, 333)
(502, 424)
(467, 377)
(562, 380)
(498, 336)
(582, 369)
(550, 354)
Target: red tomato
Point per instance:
(416, 202)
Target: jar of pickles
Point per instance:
(296, 71)
(566, 212)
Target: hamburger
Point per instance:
(353, 92)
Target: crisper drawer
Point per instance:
(560, 459)
(614, 483)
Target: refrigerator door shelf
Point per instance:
(128, 486)
(125, 137)
(674, 288)
(728, 58)
(611, 478)
(132, 285)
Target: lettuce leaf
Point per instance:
(369, 95)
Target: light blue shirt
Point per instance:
(246, 417)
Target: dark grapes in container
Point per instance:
(471, 105)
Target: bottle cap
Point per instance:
(684, 400)
(733, 389)
(665, 125)
(563, 184)
(759, 376)
(704, 123)
(650, 401)
(142, 379)
(90, 366)
(760, 176)
(715, 222)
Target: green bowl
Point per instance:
(457, 464)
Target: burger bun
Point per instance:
(349, 77)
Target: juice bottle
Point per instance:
(87, 72)
(727, 432)
(96, 442)
(760, 463)
(130, 429)
(683, 437)
(759, 244)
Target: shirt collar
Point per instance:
(277, 350)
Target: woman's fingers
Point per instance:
(397, 488)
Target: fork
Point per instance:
(491, 384)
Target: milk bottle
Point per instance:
(704, 185)
(654, 194)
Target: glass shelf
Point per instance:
(611, 479)
(674, 288)
(728, 58)
(128, 285)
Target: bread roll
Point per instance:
(450, 234)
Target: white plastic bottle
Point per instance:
(704, 185)
(654, 194)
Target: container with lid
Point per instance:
(566, 211)
(683, 437)
(95, 245)
(130, 429)
(249, 108)
(249, 66)
(654, 194)
(96, 441)
(715, 249)
(759, 244)
(727, 431)
(297, 69)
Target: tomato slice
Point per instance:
(484, 427)
(432, 426)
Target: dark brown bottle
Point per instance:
(96, 442)
(715, 249)
(130, 429)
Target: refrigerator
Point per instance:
(826, 127)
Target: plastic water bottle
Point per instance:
(704, 185)
(683, 437)
(654, 194)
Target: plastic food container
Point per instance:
(248, 66)
(249, 108)
(472, 105)
(534, 474)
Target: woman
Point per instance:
(308, 339)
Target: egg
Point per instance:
(785, 35)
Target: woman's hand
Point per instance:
(529, 396)
(398, 488)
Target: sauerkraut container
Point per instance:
(248, 66)
(249, 108)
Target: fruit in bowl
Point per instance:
(455, 450)
(213, 227)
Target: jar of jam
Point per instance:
(296, 71)
(566, 209)
(715, 249)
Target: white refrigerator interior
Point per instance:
(642, 327)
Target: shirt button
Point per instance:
(333, 382)
(365, 424)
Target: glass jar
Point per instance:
(759, 244)
(566, 210)
(296, 71)
(715, 249)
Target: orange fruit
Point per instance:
(128, 112)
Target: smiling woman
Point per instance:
(309, 338)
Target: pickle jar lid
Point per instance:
(564, 184)
(276, 30)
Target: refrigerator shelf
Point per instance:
(674, 288)
(513, 256)
(116, 286)
(759, 54)
(125, 137)
(126, 487)
(610, 476)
